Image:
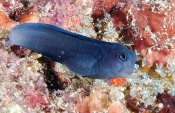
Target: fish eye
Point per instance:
(123, 56)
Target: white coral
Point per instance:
(158, 86)
(159, 69)
(149, 101)
(110, 33)
(170, 68)
(171, 89)
(145, 89)
(146, 80)
(145, 93)
(116, 93)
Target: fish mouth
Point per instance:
(126, 74)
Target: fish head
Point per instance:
(118, 61)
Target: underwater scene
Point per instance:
(87, 56)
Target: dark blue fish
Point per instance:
(82, 55)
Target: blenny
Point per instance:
(82, 55)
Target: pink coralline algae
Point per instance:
(97, 102)
(61, 13)
(5, 22)
(32, 98)
(149, 24)
(15, 15)
(20, 83)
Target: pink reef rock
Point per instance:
(61, 13)
(20, 82)
(34, 98)
(16, 12)
(97, 102)
(132, 105)
(150, 25)
(5, 22)
(19, 50)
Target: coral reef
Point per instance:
(30, 83)
(148, 27)
(149, 24)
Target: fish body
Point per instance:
(82, 55)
